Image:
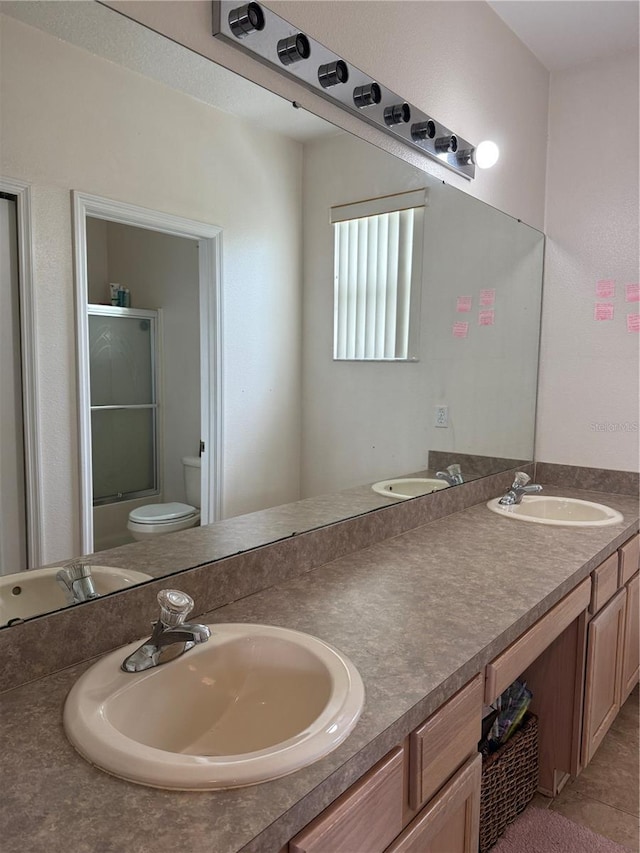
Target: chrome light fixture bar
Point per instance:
(269, 38)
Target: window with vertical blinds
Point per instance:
(378, 248)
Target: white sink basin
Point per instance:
(567, 512)
(409, 487)
(29, 593)
(253, 703)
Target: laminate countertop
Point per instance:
(418, 614)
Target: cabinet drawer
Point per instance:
(629, 559)
(365, 818)
(443, 742)
(605, 583)
(451, 820)
(514, 660)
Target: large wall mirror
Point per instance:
(372, 324)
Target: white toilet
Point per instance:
(157, 519)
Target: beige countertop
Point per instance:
(418, 614)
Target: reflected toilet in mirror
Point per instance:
(151, 520)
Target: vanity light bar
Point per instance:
(269, 38)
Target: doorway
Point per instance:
(140, 271)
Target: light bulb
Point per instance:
(486, 154)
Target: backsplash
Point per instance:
(474, 465)
(54, 641)
(590, 479)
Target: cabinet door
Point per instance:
(444, 742)
(451, 820)
(365, 818)
(604, 673)
(631, 652)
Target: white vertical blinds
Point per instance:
(378, 271)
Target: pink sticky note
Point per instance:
(603, 311)
(460, 330)
(633, 322)
(463, 304)
(487, 297)
(486, 318)
(632, 292)
(605, 288)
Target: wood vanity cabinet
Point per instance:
(423, 796)
(550, 658)
(629, 559)
(451, 821)
(613, 656)
(631, 649)
(365, 818)
(603, 673)
(604, 583)
(628, 577)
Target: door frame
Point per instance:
(29, 358)
(209, 238)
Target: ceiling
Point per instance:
(565, 33)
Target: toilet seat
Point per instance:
(152, 520)
(162, 513)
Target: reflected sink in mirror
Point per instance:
(253, 703)
(409, 487)
(567, 512)
(30, 593)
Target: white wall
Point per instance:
(588, 399)
(364, 421)
(74, 121)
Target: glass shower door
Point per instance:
(124, 403)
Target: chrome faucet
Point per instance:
(518, 489)
(171, 636)
(76, 581)
(453, 475)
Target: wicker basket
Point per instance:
(509, 781)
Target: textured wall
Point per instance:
(588, 398)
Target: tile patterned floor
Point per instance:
(605, 797)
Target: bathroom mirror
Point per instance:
(93, 102)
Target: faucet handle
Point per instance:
(76, 570)
(175, 606)
(76, 580)
(521, 479)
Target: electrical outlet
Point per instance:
(442, 416)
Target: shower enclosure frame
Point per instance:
(154, 316)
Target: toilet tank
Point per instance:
(191, 469)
